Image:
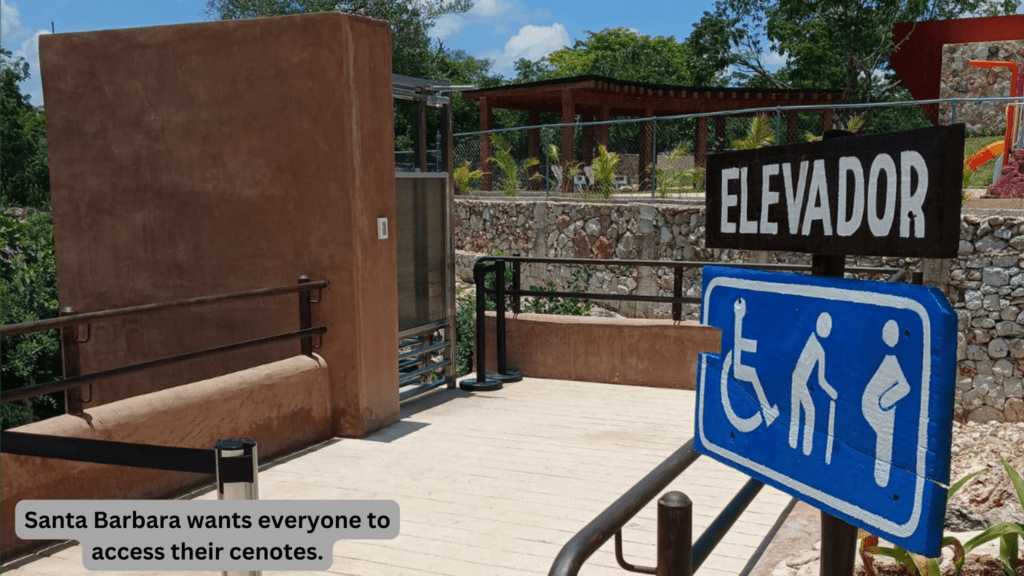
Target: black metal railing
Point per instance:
(484, 265)
(69, 322)
(677, 553)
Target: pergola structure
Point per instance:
(597, 98)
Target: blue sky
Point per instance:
(501, 30)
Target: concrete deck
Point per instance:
(496, 483)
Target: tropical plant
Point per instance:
(853, 125)
(508, 166)
(465, 179)
(964, 195)
(604, 166)
(1008, 533)
(697, 176)
(563, 169)
(666, 179)
(759, 135)
(915, 563)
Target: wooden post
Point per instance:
(700, 153)
(838, 538)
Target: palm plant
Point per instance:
(604, 170)
(759, 135)
(465, 178)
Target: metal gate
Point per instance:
(426, 251)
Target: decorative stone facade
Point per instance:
(961, 80)
(985, 283)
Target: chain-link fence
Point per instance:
(664, 157)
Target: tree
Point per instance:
(625, 55)
(410, 22)
(24, 169)
(827, 44)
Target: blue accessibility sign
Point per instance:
(839, 392)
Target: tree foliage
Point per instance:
(827, 44)
(28, 280)
(24, 170)
(626, 55)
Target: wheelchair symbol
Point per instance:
(744, 373)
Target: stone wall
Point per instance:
(985, 283)
(961, 80)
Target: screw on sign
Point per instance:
(836, 391)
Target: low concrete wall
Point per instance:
(638, 352)
(984, 283)
(283, 406)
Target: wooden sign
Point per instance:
(894, 194)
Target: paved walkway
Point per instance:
(493, 484)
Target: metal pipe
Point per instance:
(58, 385)
(60, 322)
(500, 313)
(516, 284)
(714, 533)
(72, 367)
(677, 293)
(754, 111)
(304, 318)
(237, 449)
(572, 556)
(675, 535)
(683, 263)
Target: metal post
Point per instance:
(838, 538)
(503, 374)
(675, 535)
(237, 449)
(304, 317)
(516, 284)
(778, 125)
(953, 111)
(654, 155)
(481, 383)
(547, 163)
(677, 292)
(72, 367)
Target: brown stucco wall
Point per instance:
(283, 406)
(224, 156)
(639, 352)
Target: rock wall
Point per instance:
(961, 80)
(985, 283)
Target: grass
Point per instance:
(983, 176)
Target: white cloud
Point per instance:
(23, 42)
(531, 42)
(773, 60)
(496, 14)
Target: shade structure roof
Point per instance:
(917, 58)
(590, 95)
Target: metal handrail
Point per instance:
(77, 381)
(601, 529)
(76, 319)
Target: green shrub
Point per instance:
(465, 178)
(604, 170)
(28, 291)
(465, 313)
